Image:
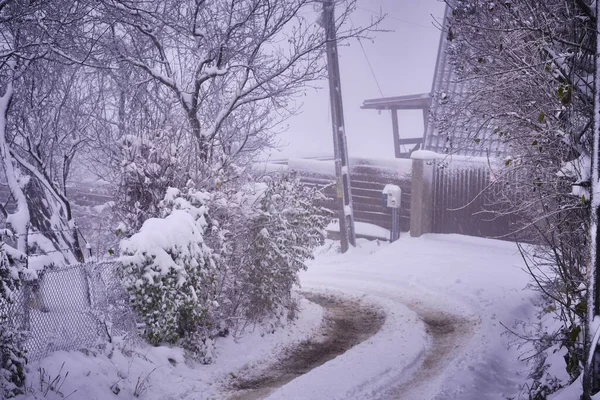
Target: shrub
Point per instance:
(170, 274)
(284, 228)
(192, 275)
(12, 354)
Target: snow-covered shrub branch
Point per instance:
(171, 275)
(285, 227)
(12, 354)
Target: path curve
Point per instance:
(449, 334)
(350, 322)
(346, 323)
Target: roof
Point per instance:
(456, 137)
(409, 102)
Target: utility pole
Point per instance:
(591, 379)
(340, 148)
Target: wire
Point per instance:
(368, 61)
(395, 18)
(370, 67)
(373, 74)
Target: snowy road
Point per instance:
(345, 324)
(444, 297)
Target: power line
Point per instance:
(370, 67)
(368, 60)
(371, 11)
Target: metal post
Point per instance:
(395, 232)
(340, 148)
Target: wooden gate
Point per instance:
(368, 177)
(464, 202)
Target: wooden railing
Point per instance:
(368, 177)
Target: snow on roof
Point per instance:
(409, 102)
(456, 139)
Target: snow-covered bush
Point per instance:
(283, 228)
(191, 276)
(170, 274)
(12, 361)
(12, 354)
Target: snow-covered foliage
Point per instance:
(12, 355)
(214, 261)
(148, 168)
(286, 226)
(12, 361)
(525, 71)
(171, 275)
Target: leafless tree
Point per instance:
(42, 49)
(233, 66)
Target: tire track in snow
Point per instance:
(451, 330)
(346, 323)
(449, 335)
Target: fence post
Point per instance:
(86, 283)
(26, 323)
(422, 191)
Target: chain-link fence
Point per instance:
(71, 308)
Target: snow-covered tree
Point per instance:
(42, 125)
(526, 72)
(228, 64)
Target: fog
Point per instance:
(403, 62)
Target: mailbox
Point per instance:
(391, 195)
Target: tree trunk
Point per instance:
(20, 220)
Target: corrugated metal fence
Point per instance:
(466, 203)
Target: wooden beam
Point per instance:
(396, 130)
(418, 140)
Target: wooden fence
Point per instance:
(460, 204)
(368, 177)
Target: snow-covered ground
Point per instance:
(463, 287)
(479, 282)
(363, 229)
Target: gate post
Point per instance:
(422, 191)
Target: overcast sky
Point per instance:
(403, 62)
